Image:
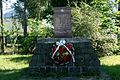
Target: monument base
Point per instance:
(86, 61)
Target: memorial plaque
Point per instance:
(62, 22)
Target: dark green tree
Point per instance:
(61, 3)
(25, 17)
(22, 13)
(36, 8)
(2, 35)
(2, 27)
(19, 9)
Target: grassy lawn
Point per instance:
(112, 66)
(13, 66)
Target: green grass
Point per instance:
(13, 66)
(112, 66)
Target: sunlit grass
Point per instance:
(112, 66)
(13, 66)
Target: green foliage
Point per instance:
(84, 20)
(41, 8)
(40, 29)
(37, 29)
(118, 24)
(61, 3)
(86, 23)
(36, 8)
(108, 17)
(13, 35)
(2, 29)
(28, 44)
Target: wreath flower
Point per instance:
(62, 53)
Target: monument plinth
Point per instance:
(86, 60)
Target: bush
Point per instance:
(28, 44)
(37, 29)
(40, 29)
(86, 23)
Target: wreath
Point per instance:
(62, 53)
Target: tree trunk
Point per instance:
(25, 18)
(119, 10)
(2, 29)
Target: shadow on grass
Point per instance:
(11, 74)
(113, 71)
(26, 59)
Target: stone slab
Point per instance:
(62, 22)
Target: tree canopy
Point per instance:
(36, 8)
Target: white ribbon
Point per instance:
(62, 42)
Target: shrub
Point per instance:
(41, 29)
(12, 34)
(28, 44)
(86, 23)
(37, 29)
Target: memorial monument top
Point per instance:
(62, 22)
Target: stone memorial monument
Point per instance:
(86, 61)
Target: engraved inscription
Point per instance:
(62, 22)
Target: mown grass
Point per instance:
(112, 66)
(13, 66)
